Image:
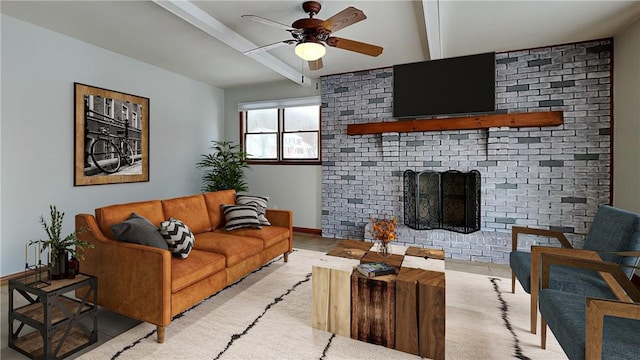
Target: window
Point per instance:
(134, 120)
(108, 107)
(285, 131)
(125, 113)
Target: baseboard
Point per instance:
(307, 230)
(5, 279)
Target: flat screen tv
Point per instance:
(458, 85)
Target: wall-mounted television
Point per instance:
(457, 85)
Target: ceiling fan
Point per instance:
(311, 34)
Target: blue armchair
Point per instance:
(587, 327)
(612, 230)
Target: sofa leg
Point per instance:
(286, 257)
(160, 335)
(513, 283)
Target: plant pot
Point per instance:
(58, 265)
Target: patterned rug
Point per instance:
(267, 315)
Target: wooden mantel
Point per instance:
(531, 119)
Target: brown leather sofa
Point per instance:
(151, 285)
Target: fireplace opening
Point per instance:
(447, 200)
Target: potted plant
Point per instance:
(60, 248)
(224, 167)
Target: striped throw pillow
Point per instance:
(240, 216)
(260, 202)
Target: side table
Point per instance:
(55, 317)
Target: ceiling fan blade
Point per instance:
(352, 45)
(315, 65)
(344, 18)
(262, 20)
(269, 47)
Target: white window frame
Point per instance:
(280, 104)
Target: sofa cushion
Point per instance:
(260, 202)
(565, 314)
(192, 210)
(198, 266)
(178, 236)
(240, 216)
(234, 248)
(113, 214)
(270, 235)
(138, 230)
(213, 200)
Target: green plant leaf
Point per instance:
(224, 168)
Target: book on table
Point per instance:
(374, 269)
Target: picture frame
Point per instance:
(111, 136)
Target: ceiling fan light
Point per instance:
(310, 51)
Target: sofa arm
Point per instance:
(133, 280)
(283, 218)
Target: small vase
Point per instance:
(58, 266)
(384, 249)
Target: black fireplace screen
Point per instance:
(447, 200)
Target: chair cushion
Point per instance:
(579, 281)
(614, 230)
(520, 262)
(565, 315)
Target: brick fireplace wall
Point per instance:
(549, 177)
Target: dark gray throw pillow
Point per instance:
(139, 230)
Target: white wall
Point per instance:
(294, 187)
(39, 68)
(626, 135)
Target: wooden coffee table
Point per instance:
(405, 311)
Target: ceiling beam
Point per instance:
(431, 9)
(210, 25)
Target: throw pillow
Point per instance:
(139, 230)
(178, 237)
(260, 202)
(240, 216)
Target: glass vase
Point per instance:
(384, 249)
(58, 265)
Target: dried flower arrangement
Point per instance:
(383, 229)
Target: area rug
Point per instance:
(267, 315)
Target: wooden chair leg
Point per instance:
(534, 310)
(543, 333)
(160, 335)
(286, 257)
(513, 283)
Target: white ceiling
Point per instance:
(146, 31)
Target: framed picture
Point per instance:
(111, 136)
